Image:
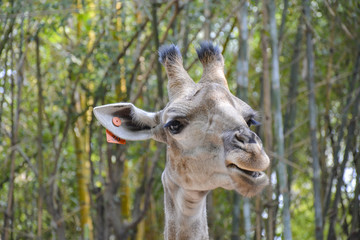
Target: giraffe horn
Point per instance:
(178, 79)
(213, 64)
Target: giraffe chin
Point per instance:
(248, 183)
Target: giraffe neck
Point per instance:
(185, 212)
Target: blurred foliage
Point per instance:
(123, 28)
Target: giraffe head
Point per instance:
(206, 128)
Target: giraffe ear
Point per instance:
(129, 122)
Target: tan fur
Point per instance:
(179, 80)
(214, 72)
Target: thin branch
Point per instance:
(27, 159)
(342, 25)
(6, 35)
(234, 12)
(102, 84)
(228, 36)
(288, 162)
(282, 25)
(227, 20)
(154, 57)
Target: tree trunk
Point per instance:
(83, 173)
(184, 32)
(242, 65)
(101, 222)
(4, 87)
(82, 147)
(247, 218)
(174, 25)
(157, 46)
(329, 133)
(282, 25)
(267, 126)
(259, 210)
(207, 24)
(235, 217)
(120, 84)
(313, 126)
(113, 209)
(290, 115)
(327, 174)
(278, 122)
(54, 206)
(356, 203)
(9, 208)
(39, 139)
(15, 116)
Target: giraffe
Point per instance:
(208, 137)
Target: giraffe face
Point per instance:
(210, 143)
(206, 128)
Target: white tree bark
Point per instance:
(278, 122)
(313, 126)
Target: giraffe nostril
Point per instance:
(252, 140)
(240, 138)
(244, 138)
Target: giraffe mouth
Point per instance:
(253, 174)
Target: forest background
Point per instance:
(297, 62)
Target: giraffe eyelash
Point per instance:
(252, 122)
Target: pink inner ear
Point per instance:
(111, 138)
(126, 121)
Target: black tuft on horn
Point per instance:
(208, 52)
(213, 63)
(179, 80)
(170, 53)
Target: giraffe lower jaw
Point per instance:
(253, 174)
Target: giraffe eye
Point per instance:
(252, 122)
(174, 126)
